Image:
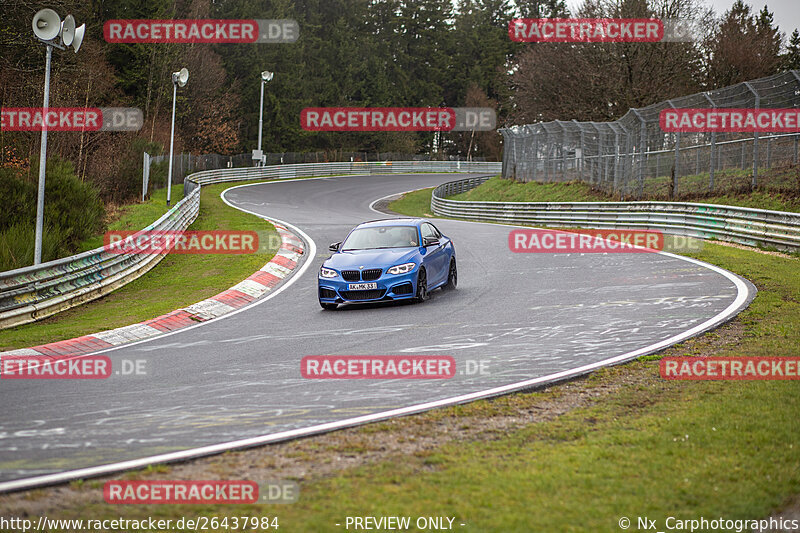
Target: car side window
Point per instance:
(436, 232)
(428, 231)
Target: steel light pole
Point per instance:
(265, 77)
(48, 29)
(178, 78)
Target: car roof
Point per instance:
(392, 222)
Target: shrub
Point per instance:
(127, 184)
(17, 242)
(73, 212)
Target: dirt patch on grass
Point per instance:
(752, 249)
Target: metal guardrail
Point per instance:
(32, 293)
(302, 170)
(751, 227)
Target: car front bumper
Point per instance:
(390, 287)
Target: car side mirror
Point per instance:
(334, 247)
(430, 241)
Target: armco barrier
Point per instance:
(31, 293)
(751, 227)
(356, 168)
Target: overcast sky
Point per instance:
(787, 12)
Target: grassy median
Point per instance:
(177, 281)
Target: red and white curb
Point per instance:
(258, 284)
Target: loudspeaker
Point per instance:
(46, 24)
(68, 30)
(180, 77)
(79, 32)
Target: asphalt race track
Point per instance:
(531, 318)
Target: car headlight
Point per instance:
(327, 273)
(401, 269)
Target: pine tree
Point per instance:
(791, 59)
(744, 46)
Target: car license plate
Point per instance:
(361, 286)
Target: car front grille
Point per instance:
(405, 288)
(363, 295)
(371, 274)
(351, 275)
(327, 293)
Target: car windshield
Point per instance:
(381, 237)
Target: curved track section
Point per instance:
(235, 381)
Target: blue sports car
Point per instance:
(387, 260)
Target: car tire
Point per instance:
(422, 286)
(328, 307)
(452, 276)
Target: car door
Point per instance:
(435, 256)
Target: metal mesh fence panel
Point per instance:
(632, 157)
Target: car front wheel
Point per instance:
(452, 276)
(422, 286)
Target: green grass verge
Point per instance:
(133, 217)
(177, 281)
(417, 203)
(498, 189)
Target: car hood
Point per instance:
(380, 258)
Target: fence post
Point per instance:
(581, 164)
(797, 77)
(535, 153)
(755, 137)
(606, 160)
(697, 161)
(743, 147)
(642, 150)
(504, 171)
(712, 151)
(676, 166)
(615, 184)
(769, 147)
(563, 152)
(658, 165)
(145, 174)
(545, 152)
(593, 159)
(514, 150)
